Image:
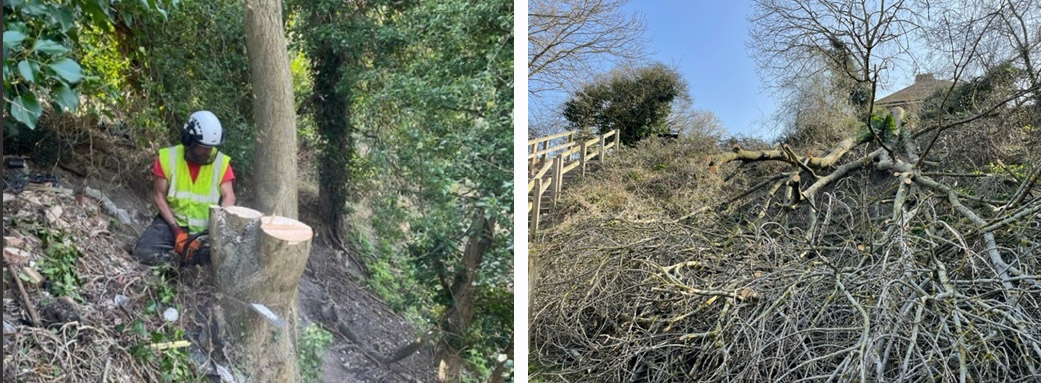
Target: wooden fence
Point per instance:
(552, 157)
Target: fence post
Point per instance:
(545, 145)
(603, 148)
(617, 140)
(558, 178)
(533, 159)
(583, 158)
(536, 206)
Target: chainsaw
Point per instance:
(197, 251)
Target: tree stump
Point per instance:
(257, 262)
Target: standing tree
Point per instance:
(431, 99)
(334, 66)
(440, 113)
(858, 38)
(637, 102)
(819, 110)
(260, 260)
(273, 109)
(829, 56)
(566, 38)
(569, 39)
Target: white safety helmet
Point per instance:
(202, 127)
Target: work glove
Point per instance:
(192, 249)
(180, 241)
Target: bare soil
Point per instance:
(328, 284)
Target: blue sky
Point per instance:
(705, 41)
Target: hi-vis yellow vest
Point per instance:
(190, 201)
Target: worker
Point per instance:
(189, 178)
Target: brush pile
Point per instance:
(77, 306)
(664, 267)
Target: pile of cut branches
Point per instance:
(865, 264)
(78, 307)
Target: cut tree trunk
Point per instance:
(257, 262)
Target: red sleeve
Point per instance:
(157, 169)
(228, 175)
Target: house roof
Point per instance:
(924, 86)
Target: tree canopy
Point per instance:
(637, 102)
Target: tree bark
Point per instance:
(258, 260)
(786, 155)
(273, 107)
(500, 366)
(457, 320)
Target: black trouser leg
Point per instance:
(156, 244)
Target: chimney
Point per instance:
(924, 77)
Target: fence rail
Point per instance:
(552, 157)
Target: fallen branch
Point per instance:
(781, 155)
(34, 318)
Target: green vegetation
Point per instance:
(402, 114)
(41, 41)
(636, 101)
(393, 280)
(59, 266)
(164, 289)
(174, 364)
(432, 100)
(313, 343)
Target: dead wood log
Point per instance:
(827, 161)
(257, 262)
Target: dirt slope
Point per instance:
(96, 336)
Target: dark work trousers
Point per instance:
(156, 245)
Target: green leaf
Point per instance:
(13, 38)
(26, 109)
(35, 7)
(99, 13)
(26, 71)
(63, 16)
(50, 47)
(128, 17)
(138, 328)
(68, 70)
(67, 98)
